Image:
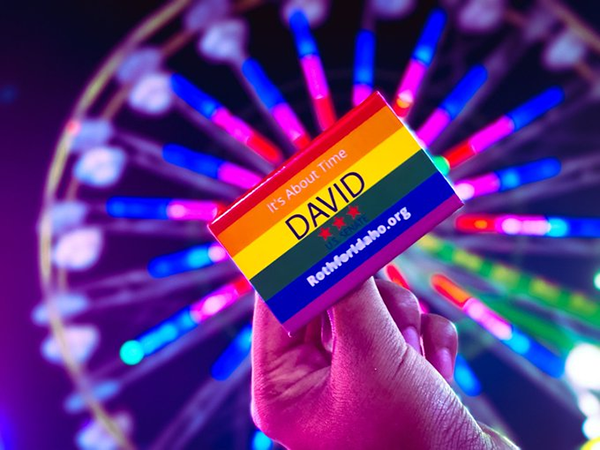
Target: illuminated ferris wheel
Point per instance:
(147, 313)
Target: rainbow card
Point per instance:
(335, 213)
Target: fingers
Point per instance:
(404, 309)
(440, 342)
(363, 329)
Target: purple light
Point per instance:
(238, 176)
(488, 319)
(289, 123)
(192, 210)
(491, 134)
(475, 187)
(407, 91)
(433, 126)
(360, 93)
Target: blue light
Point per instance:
(265, 89)
(188, 159)
(364, 58)
(558, 227)
(464, 90)
(260, 441)
(137, 207)
(534, 108)
(191, 259)
(305, 43)
(200, 101)
(233, 355)
(430, 37)
(536, 354)
(466, 378)
(514, 177)
(518, 342)
(586, 228)
(156, 338)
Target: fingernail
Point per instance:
(411, 336)
(444, 363)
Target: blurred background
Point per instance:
(127, 125)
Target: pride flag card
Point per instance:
(334, 214)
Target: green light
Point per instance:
(597, 280)
(131, 353)
(442, 164)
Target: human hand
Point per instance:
(360, 379)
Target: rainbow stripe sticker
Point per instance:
(334, 214)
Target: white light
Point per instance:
(589, 404)
(465, 191)
(591, 427)
(100, 167)
(225, 41)
(564, 51)
(314, 10)
(152, 94)
(66, 215)
(95, 436)
(66, 305)
(392, 9)
(78, 249)
(80, 341)
(138, 64)
(204, 12)
(583, 366)
(479, 16)
(597, 281)
(89, 133)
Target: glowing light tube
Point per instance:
(393, 273)
(507, 333)
(134, 351)
(512, 224)
(190, 259)
(312, 68)
(209, 166)
(233, 355)
(273, 100)
(364, 66)
(419, 62)
(222, 117)
(452, 105)
(466, 378)
(511, 122)
(161, 208)
(507, 179)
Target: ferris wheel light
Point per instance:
(80, 340)
(591, 427)
(597, 280)
(100, 167)
(78, 249)
(152, 94)
(583, 366)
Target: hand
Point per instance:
(358, 379)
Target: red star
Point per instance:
(325, 233)
(339, 223)
(353, 212)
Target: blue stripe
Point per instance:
(200, 101)
(264, 88)
(419, 202)
(364, 58)
(305, 43)
(425, 48)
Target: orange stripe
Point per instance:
(358, 143)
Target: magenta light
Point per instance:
(488, 319)
(237, 128)
(318, 90)
(433, 126)
(219, 299)
(409, 85)
(360, 92)
(526, 225)
(474, 187)
(216, 253)
(238, 176)
(192, 210)
(491, 134)
(289, 123)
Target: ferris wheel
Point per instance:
(150, 318)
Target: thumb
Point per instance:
(364, 333)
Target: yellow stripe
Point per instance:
(374, 166)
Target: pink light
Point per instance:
(289, 123)
(219, 299)
(491, 134)
(409, 85)
(192, 210)
(318, 90)
(488, 319)
(238, 176)
(216, 253)
(360, 92)
(475, 187)
(528, 225)
(242, 132)
(433, 126)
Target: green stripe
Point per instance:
(373, 202)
